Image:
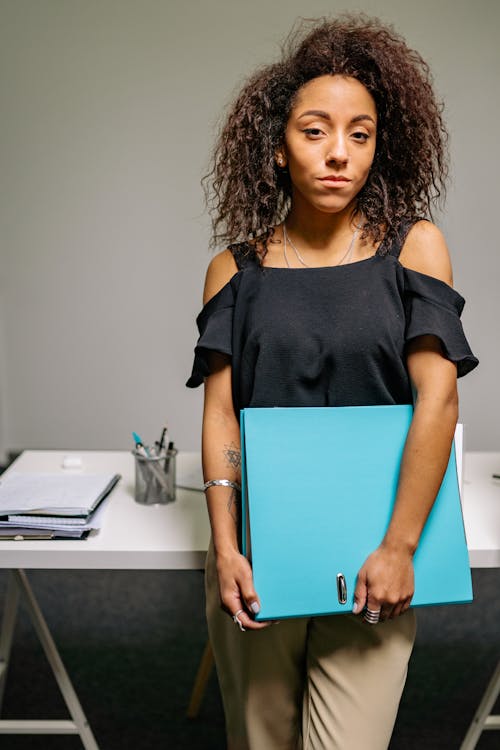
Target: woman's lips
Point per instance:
(334, 179)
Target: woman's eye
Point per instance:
(360, 136)
(313, 132)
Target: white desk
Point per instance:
(133, 536)
(481, 508)
(175, 536)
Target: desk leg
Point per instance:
(200, 682)
(79, 725)
(482, 718)
(7, 634)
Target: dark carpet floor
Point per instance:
(131, 642)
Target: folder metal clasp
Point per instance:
(341, 588)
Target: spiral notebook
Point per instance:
(318, 488)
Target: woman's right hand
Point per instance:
(237, 593)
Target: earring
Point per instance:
(280, 160)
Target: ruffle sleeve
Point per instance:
(215, 326)
(433, 307)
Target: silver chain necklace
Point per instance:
(287, 240)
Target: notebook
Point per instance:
(43, 494)
(318, 487)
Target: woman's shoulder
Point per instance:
(221, 270)
(425, 250)
(226, 264)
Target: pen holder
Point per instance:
(155, 478)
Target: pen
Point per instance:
(170, 453)
(142, 467)
(161, 443)
(139, 446)
(496, 476)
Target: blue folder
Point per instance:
(318, 488)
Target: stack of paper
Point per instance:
(52, 506)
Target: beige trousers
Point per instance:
(320, 683)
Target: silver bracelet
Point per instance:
(221, 483)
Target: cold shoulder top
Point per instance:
(330, 336)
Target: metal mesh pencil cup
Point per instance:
(155, 478)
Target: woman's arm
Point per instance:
(386, 581)
(222, 460)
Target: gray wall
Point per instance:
(108, 112)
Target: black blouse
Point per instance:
(331, 336)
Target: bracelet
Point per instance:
(221, 483)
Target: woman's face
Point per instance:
(330, 142)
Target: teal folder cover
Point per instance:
(318, 487)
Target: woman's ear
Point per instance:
(280, 158)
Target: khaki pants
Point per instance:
(320, 683)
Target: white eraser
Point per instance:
(72, 462)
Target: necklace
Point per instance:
(287, 240)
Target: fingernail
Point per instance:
(355, 608)
(255, 608)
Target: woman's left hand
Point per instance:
(385, 582)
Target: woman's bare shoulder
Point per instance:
(425, 250)
(220, 270)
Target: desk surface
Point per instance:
(175, 536)
(481, 508)
(133, 536)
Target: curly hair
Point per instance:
(248, 194)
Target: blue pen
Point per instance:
(139, 445)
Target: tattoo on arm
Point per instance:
(233, 505)
(232, 455)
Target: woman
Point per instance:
(335, 290)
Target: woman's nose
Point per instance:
(337, 150)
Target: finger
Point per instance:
(360, 594)
(248, 623)
(397, 610)
(237, 621)
(243, 582)
(237, 592)
(250, 601)
(249, 595)
(371, 616)
(406, 605)
(386, 612)
(372, 613)
(231, 600)
(235, 607)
